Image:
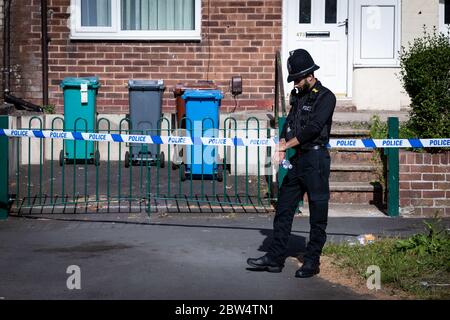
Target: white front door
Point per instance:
(319, 26)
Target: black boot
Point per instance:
(307, 270)
(265, 263)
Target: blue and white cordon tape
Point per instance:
(209, 141)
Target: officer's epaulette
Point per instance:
(313, 94)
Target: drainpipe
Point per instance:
(6, 49)
(44, 44)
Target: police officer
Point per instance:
(306, 130)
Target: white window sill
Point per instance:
(134, 37)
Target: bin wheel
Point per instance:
(175, 166)
(127, 159)
(97, 158)
(61, 158)
(220, 173)
(183, 172)
(162, 160)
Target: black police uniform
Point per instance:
(309, 120)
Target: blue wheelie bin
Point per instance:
(202, 115)
(80, 114)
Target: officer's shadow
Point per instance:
(296, 246)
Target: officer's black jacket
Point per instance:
(310, 117)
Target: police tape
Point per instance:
(213, 141)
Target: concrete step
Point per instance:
(349, 132)
(348, 210)
(355, 193)
(353, 173)
(351, 156)
(363, 117)
(351, 186)
(353, 167)
(353, 176)
(345, 108)
(358, 150)
(344, 102)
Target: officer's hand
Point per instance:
(278, 155)
(282, 145)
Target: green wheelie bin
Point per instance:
(80, 115)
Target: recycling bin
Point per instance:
(80, 115)
(179, 151)
(202, 120)
(145, 102)
(178, 92)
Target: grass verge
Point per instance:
(418, 265)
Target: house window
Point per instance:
(157, 15)
(330, 11)
(96, 13)
(136, 19)
(305, 11)
(377, 33)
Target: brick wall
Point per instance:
(425, 183)
(26, 75)
(243, 38)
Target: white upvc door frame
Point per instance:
(351, 42)
(285, 53)
(442, 26)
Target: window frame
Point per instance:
(336, 13)
(78, 32)
(360, 62)
(310, 13)
(443, 27)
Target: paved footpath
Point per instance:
(181, 256)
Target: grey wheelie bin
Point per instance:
(145, 101)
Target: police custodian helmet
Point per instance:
(299, 64)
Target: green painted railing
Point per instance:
(393, 169)
(4, 170)
(62, 185)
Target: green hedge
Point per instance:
(425, 74)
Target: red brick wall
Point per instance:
(425, 182)
(244, 36)
(25, 77)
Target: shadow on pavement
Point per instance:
(296, 246)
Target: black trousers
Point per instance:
(310, 174)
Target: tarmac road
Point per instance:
(181, 256)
